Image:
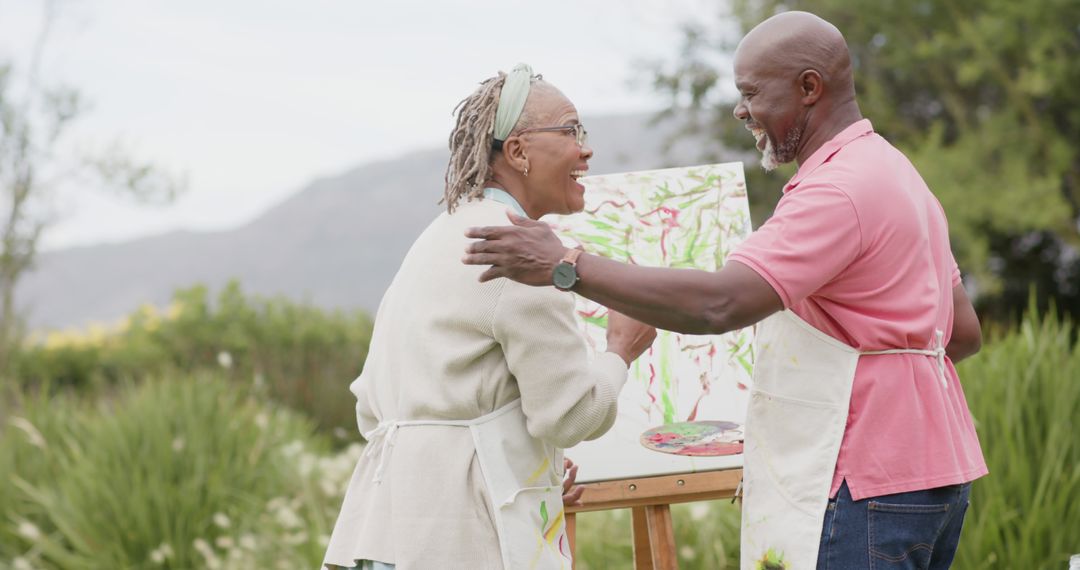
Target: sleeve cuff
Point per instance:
(764, 273)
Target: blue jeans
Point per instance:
(916, 530)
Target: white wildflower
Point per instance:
(247, 541)
(179, 444)
(329, 488)
(32, 434)
(21, 563)
(292, 449)
(162, 553)
(288, 517)
(29, 530)
(296, 538)
(698, 511)
(225, 359)
(224, 542)
(687, 553)
(204, 548)
(306, 464)
(239, 559)
(262, 420)
(222, 520)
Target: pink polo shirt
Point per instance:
(858, 247)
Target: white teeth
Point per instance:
(577, 173)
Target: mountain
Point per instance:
(336, 243)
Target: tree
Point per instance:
(980, 94)
(33, 166)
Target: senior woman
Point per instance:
(471, 390)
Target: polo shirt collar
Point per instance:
(855, 130)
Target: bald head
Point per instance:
(793, 42)
(793, 73)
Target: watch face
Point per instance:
(564, 276)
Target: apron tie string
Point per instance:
(938, 352)
(385, 431)
(388, 428)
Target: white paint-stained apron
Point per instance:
(523, 477)
(794, 427)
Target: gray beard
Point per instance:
(785, 153)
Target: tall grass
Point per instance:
(171, 473)
(1024, 393)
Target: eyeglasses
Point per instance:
(580, 134)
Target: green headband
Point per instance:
(512, 100)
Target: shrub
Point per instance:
(171, 473)
(1024, 393)
(301, 356)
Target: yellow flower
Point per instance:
(96, 334)
(55, 340)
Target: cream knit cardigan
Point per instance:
(447, 347)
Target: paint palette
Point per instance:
(700, 438)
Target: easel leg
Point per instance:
(643, 558)
(661, 537)
(571, 537)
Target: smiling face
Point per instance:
(770, 105)
(555, 160)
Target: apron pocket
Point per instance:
(535, 525)
(794, 438)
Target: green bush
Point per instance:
(170, 473)
(1024, 393)
(301, 356)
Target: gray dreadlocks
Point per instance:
(471, 140)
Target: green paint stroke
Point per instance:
(665, 379)
(543, 513)
(687, 429)
(600, 321)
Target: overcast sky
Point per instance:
(253, 99)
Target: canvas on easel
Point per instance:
(687, 390)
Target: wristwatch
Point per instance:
(565, 276)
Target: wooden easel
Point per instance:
(650, 500)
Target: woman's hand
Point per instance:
(571, 493)
(628, 338)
